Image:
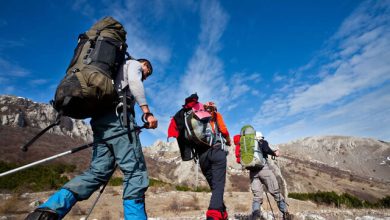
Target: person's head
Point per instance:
(147, 68)
(259, 136)
(210, 107)
(191, 100)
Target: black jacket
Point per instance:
(265, 149)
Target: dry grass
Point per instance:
(10, 205)
(240, 183)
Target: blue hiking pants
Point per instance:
(213, 166)
(128, 156)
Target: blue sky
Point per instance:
(291, 69)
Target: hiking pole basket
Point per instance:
(71, 151)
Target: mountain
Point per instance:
(24, 113)
(359, 166)
(21, 119)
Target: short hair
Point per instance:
(148, 64)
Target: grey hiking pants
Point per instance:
(267, 177)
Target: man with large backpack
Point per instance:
(125, 151)
(260, 173)
(203, 136)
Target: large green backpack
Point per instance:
(250, 153)
(88, 86)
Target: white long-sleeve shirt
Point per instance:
(131, 74)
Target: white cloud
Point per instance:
(84, 7)
(356, 61)
(360, 117)
(7, 90)
(11, 69)
(205, 69)
(38, 82)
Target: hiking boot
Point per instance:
(43, 214)
(286, 216)
(256, 215)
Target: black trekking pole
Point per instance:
(71, 151)
(100, 194)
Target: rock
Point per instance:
(22, 112)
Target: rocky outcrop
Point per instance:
(22, 112)
(187, 172)
(363, 156)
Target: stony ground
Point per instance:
(163, 203)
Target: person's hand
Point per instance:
(277, 153)
(152, 122)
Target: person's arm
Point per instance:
(266, 149)
(136, 87)
(134, 78)
(172, 129)
(222, 128)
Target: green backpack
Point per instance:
(88, 86)
(250, 153)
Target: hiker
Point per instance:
(263, 175)
(212, 158)
(125, 151)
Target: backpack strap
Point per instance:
(123, 104)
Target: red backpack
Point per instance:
(236, 140)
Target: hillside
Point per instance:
(358, 166)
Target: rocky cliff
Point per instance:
(22, 112)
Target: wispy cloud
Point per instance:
(355, 61)
(361, 117)
(84, 7)
(11, 69)
(38, 82)
(204, 74)
(6, 44)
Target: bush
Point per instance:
(384, 202)
(157, 183)
(38, 178)
(345, 199)
(115, 181)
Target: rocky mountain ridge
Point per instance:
(362, 156)
(22, 112)
(355, 165)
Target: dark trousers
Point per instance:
(213, 165)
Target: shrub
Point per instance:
(115, 181)
(384, 202)
(38, 178)
(345, 199)
(157, 183)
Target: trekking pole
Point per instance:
(269, 202)
(71, 151)
(100, 194)
(197, 175)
